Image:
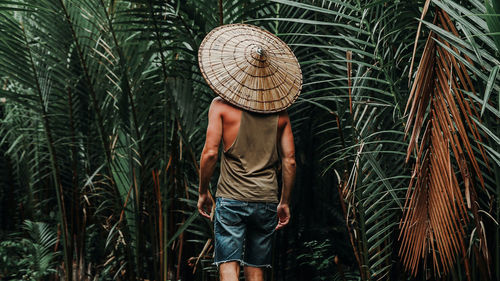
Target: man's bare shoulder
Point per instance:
(223, 106)
(217, 101)
(217, 104)
(283, 118)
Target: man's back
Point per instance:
(250, 160)
(231, 117)
(223, 124)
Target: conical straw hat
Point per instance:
(250, 68)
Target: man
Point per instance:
(224, 122)
(257, 77)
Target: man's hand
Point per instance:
(205, 203)
(283, 215)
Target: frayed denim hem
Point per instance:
(219, 262)
(242, 263)
(254, 265)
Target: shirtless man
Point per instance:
(247, 211)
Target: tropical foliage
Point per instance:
(103, 113)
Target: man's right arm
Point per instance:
(288, 165)
(209, 156)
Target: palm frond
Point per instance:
(435, 216)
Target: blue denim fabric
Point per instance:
(244, 231)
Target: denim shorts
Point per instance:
(244, 231)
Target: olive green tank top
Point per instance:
(248, 168)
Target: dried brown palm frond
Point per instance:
(435, 216)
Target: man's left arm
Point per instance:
(209, 157)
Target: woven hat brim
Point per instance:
(230, 63)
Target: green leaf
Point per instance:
(183, 227)
(493, 20)
(489, 87)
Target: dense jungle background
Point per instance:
(103, 112)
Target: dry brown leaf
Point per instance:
(435, 214)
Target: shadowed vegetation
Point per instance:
(103, 112)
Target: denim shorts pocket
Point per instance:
(270, 219)
(272, 207)
(228, 215)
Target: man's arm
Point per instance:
(288, 166)
(209, 157)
